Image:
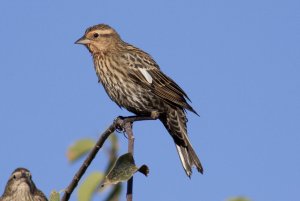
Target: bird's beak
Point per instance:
(25, 174)
(83, 41)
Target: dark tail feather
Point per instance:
(175, 123)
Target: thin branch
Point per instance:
(122, 123)
(128, 130)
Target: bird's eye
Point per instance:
(96, 35)
(14, 177)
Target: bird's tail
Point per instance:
(175, 122)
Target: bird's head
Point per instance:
(99, 38)
(20, 180)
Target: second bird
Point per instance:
(20, 187)
(133, 80)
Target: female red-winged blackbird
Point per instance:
(20, 187)
(134, 81)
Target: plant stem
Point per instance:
(123, 123)
(128, 130)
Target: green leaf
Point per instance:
(123, 170)
(79, 148)
(54, 196)
(89, 186)
(240, 198)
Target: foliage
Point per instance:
(79, 149)
(240, 198)
(54, 196)
(123, 170)
(91, 185)
(117, 170)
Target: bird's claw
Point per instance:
(120, 124)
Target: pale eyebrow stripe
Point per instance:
(105, 32)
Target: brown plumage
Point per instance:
(20, 187)
(134, 81)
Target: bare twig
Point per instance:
(128, 130)
(124, 123)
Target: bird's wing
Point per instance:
(146, 72)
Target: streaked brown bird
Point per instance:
(20, 187)
(133, 80)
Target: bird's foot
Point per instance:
(119, 122)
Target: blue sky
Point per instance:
(239, 62)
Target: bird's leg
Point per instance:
(121, 122)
